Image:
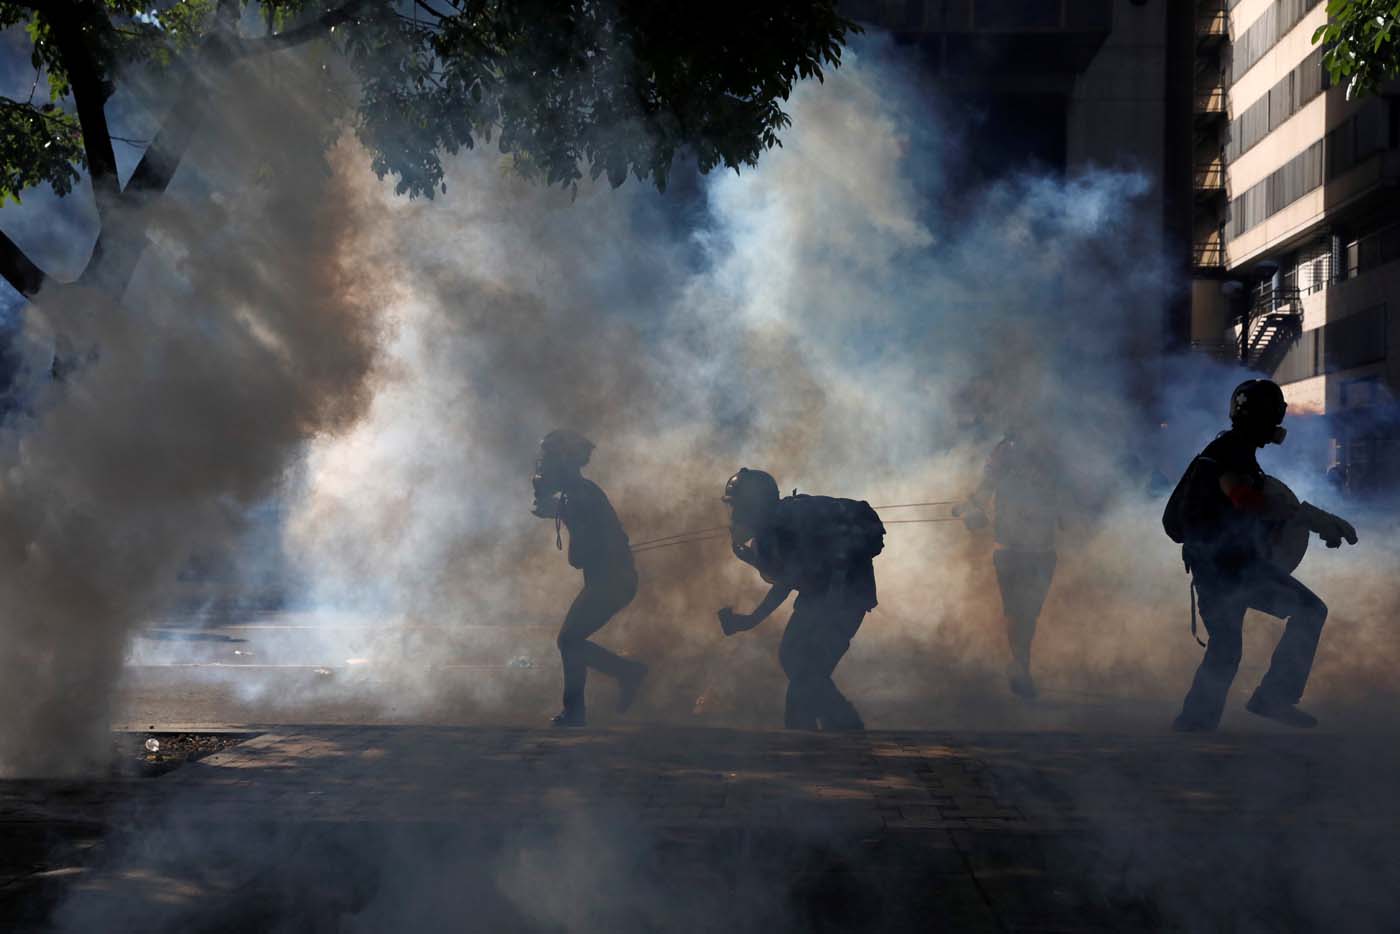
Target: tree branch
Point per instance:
(18, 269)
(162, 157)
(299, 35)
(431, 10)
(90, 95)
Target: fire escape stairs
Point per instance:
(1274, 326)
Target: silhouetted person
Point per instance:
(598, 546)
(1227, 514)
(1017, 484)
(823, 548)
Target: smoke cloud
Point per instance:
(251, 327)
(842, 316)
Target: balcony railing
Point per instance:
(1268, 300)
(1210, 176)
(1213, 20)
(1211, 101)
(1208, 255)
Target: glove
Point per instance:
(1332, 529)
(732, 622)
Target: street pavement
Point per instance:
(339, 812)
(659, 827)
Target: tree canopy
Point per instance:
(563, 87)
(1363, 44)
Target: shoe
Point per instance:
(629, 687)
(1287, 714)
(1185, 724)
(1020, 681)
(568, 719)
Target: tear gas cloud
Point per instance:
(838, 316)
(249, 330)
(383, 369)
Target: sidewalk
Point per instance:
(667, 828)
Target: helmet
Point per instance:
(1259, 403)
(571, 448)
(751, 488)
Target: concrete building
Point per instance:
(1296, 230)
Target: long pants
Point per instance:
(1223, 599)
(601, 599)
(817, 637)
(1024, 576)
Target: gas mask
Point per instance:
(1269, 434)
(546, 485)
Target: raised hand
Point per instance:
(1331, 529)
(972, 515)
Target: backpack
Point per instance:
(1174, 521)
(835, 532)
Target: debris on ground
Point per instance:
(146, 755)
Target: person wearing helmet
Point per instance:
(1222, 516)
(598, 546)
(1019, 481)
(823, 548)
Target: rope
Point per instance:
(684, 541)
(681, 538)
(710, 536)
(667, 538)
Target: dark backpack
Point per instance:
(836, 532)
(1174, 519)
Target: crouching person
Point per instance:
(822, 548)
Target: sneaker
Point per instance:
(1287, 714)
(568, 719)
(629, 688)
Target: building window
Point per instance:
(1365, 134)
(1265, 32)
(1301, 360)
(1356, 340)
(1379, 248)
